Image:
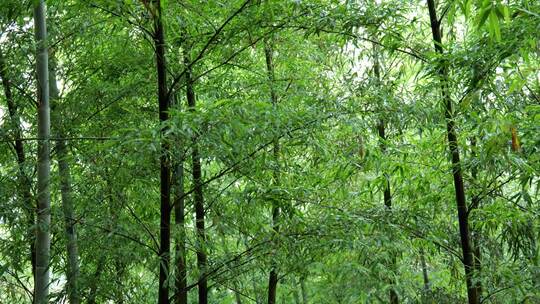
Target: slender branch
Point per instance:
(21, 284)
(480, 197)
(113, 13)
(224, 264)
(138, 219)
(206, 46)
(533, 94)
(502, 289)
(446, 9)
(73, 33)
(126, 236)
(237, 291)
(218, 196)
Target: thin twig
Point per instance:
(206, 46)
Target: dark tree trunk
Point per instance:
(424, 269)
(296, 292)
(425, 292)
(257, 295)
(456, 164)
(273, 277)
(180, 247)
(387, 196)
(119, 269)
(165, 165)
(387, 192)
(237, 298)
(477, 265)
(64, 172)
(199, 223)
(43, 237)
(304, 290)
(237, 295)
(22, 179)
(272, 286)
(69, 217)
(94, 282)
(393, 297)
(179, 220)
(475, 203)
(198, 196)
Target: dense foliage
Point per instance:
(271, 151)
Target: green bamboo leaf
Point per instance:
(506, 13)
(483, 16)
(494, 25)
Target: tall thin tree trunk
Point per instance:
(64, 173)
(43, 240)
(393, 297)
(165, 165)
(198, 195)
(456, 164)
(259, 297)
(475, 237)
(273, 277)
(237, 295)
(119, 269)
(70, 220)
(181, 296)
(477, 264)
(199, 221)
(425, 293)
(304, 290)
(180, 246)
(24, 182)
(424, 269)
(296, 294)
(92, 294)
(179, 220)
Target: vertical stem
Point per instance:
(198, 190)
(115, 199)
(296, 292)
(257, 295)
(119, 269)
(456, 164)
(388, 204)
(304, 290)
(237, 298)
(165, 170)
(43, 240)
(475, 237)
(70, 220)
(64, 172)
(92, 294)
(425, 293)
(237, 295)
(273, 277)
(179, 220)
(387, 195)
(424, 268)
(199, 222)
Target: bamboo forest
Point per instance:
(269, 151)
